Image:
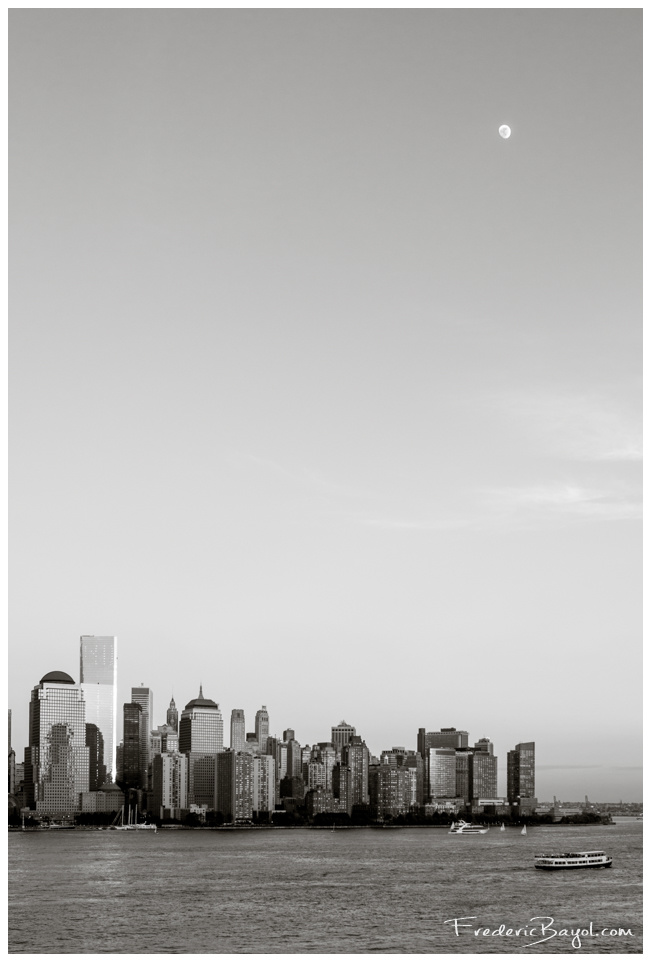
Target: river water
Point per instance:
(284, 891)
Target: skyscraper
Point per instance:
(521, 772)
(12, 762)
(96, 766)
(56, 761)
(238, 730)
(201, 737)
(173, 716)
(234, 785)
(262, 727)
(264, 783)
(356, 756)
(442, 773)
(98, 680)
(133, 725)
(169, 785)
(341, 734)
(145, 698)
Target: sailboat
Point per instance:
(502, 829)
(524, 830)
(132, 826)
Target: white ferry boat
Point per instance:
(573, 860)
(465, 828)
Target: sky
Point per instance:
(322, 394)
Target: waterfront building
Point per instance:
(521, 772)
(119, 762)
(320, 800)
(108, 798)
(172, 717)
(356, 756)
(201, 737)
(342, 734)
(442, 773)
(484, 745)
(484, 775)
(12, 762)
(233, 787)
(132, 728)
(145, 698)
(400, 757)
(390, 790)
(264, 783)
(238, 730)
(342, 788)
(170, 785)
(56, 760)
(97, 773)
(262, 727)
(98, 680)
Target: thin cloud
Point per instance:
(576, 427)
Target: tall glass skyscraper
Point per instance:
(56, 762)
(98, 680)
(145, 698)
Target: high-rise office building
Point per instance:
(133, 725)
(264, 783)
(262, 727)
(98, 680)
(234, 785)
(484, 775)
(294, 757)
(442, 771)
(172, 717)
(390, 790)
(238, 730)
(342, 734)
(96, 766)
(356, 756)
(169, 785)
(12, 762)
(484, 745)
(56, 760)
(445, 738)
(145, 698)
(521, 772)
(201, 737)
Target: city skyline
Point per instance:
(210, 732)
(325, 396)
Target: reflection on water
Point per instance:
(308, 891)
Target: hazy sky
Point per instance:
(322, 394)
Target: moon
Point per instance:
(505, 131)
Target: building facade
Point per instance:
(264, 783)
(262, 727)
(56, 760)
(442, 773)
(145, 698)
(342, 734)
(170, 785)
(233, 786)
(521, 772)
(201, 737)
(98, 680)
(356, 757)
(131, 775)
(172, 717)
(238, 730)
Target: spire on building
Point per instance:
(200, 691)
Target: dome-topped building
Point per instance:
(57, 678)
(201, 737)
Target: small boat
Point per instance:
(465, 828)
(524, 830)
(573, 860)
(502, 829)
